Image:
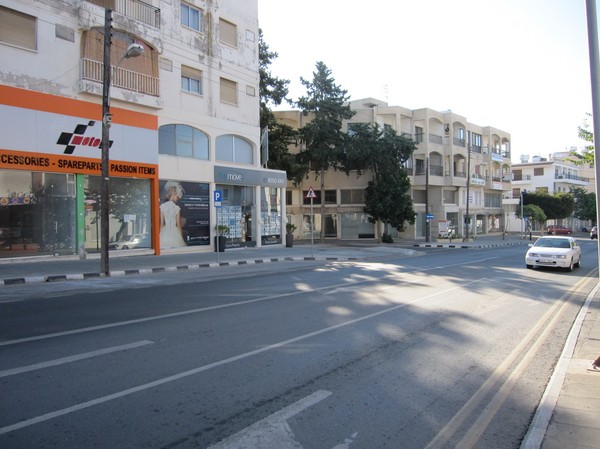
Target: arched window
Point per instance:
(232, 148)
(183, 140)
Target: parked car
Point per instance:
(133, 241)
(556, 230)
(594, 233)
(552, 251)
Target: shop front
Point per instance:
(50, 166)
(251, 210)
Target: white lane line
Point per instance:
(272, 432)
(156, 383)
(220, 306)
(73, 358)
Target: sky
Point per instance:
(521, 66)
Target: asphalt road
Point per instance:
(452, 349)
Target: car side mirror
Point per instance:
(530, 245)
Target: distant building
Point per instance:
(550, 175)
(449, 147)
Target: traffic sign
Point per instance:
(217, 198)
(429, 216)
(311, 193)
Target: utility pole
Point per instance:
(595, 78)
(106, 121)
(427, 224)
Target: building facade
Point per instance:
(551, 175)
(450, 152)
(185, 126)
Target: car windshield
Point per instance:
(553, 243)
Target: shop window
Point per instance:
(184, 141)
(191, 80)
(238, 213)
(191, 17)
(17, 28)
(228, 91)
(270, 215)
(129, 213)
(227, 33)
(356, 225)
(232, 148)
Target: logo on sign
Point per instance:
(78, 138)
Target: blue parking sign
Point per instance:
(217, 198)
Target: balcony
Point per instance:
(134, 9)
(125, 79)
(569, 177)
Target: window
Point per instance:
(227, 33)
(191, 17)
(17, 28)
(492, 200)
(183, 140)
(539, 171)
(232, 148)
(191, 80)
(288, 199)
(228, 91)
(352, 196)
(330, 197)
(418, 134)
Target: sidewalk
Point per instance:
(39, 269)
(569, 413)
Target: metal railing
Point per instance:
(135, 9)
(123, 78)
(458, 141)
(572, 177)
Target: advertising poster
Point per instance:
(184, 214)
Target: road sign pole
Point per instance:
(312, 227)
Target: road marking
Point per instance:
(217, 307)
(73, 358)
(272, 432)
(175, 377)
(476, 430)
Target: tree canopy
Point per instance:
(585, 204)
(382, 152)
(560, 205)
(322, 137)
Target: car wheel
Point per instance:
(570, 267)
(529, 267)
(578, 264)
(125, 247)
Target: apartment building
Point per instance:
(185, 124)
(553, 174)
(460, 169)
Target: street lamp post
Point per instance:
(132, 51)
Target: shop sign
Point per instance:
(21, 160)
(247, 177)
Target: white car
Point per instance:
(554, 251)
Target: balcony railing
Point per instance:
(572, 177)
(123, 78)
(458, 141)
(433, 138)
(135, 9)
